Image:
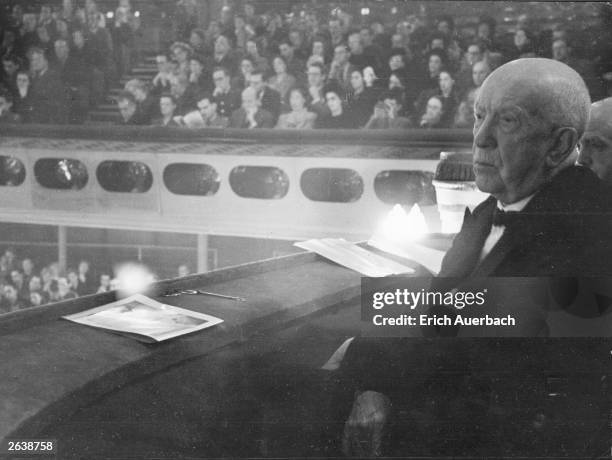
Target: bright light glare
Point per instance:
(399, 227)
(394, 10)
(133, 278)
(365, 11)
(110, 15)
(137, 14)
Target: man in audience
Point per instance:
(226, 97)
(251, 115)
(47, 93)
(341, 68)
(464, 118)
(223, 56)
(316, 84)
(270, 98)
(359, 59)
(596, 144)
(561, 52)
(76, 76)
(86, 279)
(386, 112)
(295, 66)
(210, 116)
(530, 116)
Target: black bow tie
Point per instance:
(505, 218)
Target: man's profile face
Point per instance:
(221, 45)
(509, 144)
(596, 154)
(251, 47)
(61, 49)
(354, 43)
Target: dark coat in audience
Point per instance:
(342, 121)
(227, 102)
(360, 106)
(23, 107)
(271, 101)
(48, 98)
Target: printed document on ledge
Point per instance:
(354, 257)
(429, 258)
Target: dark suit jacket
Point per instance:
(271, 101)
(48, 99)
(564, 231)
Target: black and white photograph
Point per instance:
(282, 229)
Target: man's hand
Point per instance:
(364, 428)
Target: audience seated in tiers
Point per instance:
(23, 286)
(85, 55)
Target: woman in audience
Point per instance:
(281, 81)
(337, 118)
(299, 117)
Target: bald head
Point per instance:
(551, 91)
(596, 144)
(530, 115)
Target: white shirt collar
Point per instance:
(516, 206)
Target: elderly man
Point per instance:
(545, 217)
(596, 145)
(251, 115)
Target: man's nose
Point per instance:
(585, 158)
(483, 134)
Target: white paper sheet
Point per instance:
(429, 258)
(354, 257)
(142, 316)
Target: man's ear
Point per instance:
(563, 142)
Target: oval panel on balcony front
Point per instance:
(12, 171)
(61, 173)
(332, 185)
(262, 182)
(405, 187)
(191, 179)
(124, 176)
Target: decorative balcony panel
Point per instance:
(262, 182)
(124, 176)
(334, 185)
(191, 179)
(405, 187)
(12, 171)
(61, 173)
